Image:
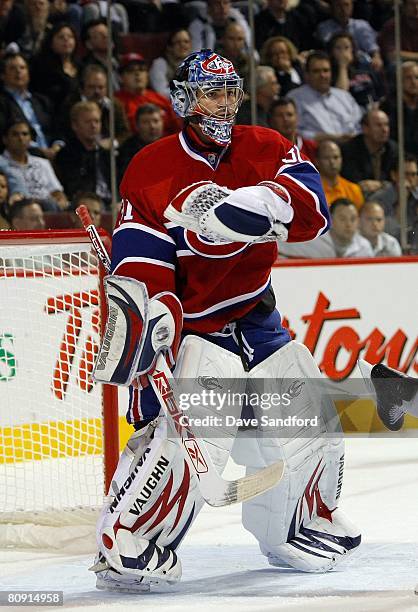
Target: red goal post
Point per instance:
(59, 440)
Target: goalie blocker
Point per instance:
(138, 329)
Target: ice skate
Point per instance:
(395, 393)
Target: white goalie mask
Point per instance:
(206, 86)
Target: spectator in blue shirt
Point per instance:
(325, 112)
(361, 31)
(18, 102)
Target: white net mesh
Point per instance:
(51, 445)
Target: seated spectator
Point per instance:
(368, 158)
(12, 22)
(37, 24)
(388, 197)
(363, 34)
(162, 69)
(342, 240)
(280, 53)
(95, 35)
(17, 101)
(325, 112)
(70, 12)
(55, 69)
(4, 201)
(410, 108)
(329, 162)
(372, 225)
(296, 24)
(36, 173)
(93, 203)
(134, 92)
(207, 31)
(93, 88)
(149, 128)
(409, 34)
(352, 72)
(16, 186)
(26, 215)
(82, 164)
(97, 9)
(267, 91)
(232, 45)
(283, 118)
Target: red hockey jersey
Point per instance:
(216, 283)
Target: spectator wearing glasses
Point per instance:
(162, 69)
(280, 53)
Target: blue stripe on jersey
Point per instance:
(242, 221)
(137, 243)
(177, 234)
(309, 176)
(237, 304)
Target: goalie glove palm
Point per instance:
(248, 214)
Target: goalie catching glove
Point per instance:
(137, 330)
(248, 214)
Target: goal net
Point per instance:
(53, 418)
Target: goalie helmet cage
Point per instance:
(58, 430)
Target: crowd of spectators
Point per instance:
(324, 79)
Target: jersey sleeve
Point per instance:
(141, 246)
(301, 180)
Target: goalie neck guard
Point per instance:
(207, 87)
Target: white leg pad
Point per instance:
(314, 457)
(154, 497)
(203, 367)
(151, 503)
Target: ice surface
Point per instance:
(223, 569)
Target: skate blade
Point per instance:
(122, 587)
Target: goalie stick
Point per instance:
(215, 490)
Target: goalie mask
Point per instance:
(206, 86)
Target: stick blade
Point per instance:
(245, 488)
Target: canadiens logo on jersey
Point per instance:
(217, 65)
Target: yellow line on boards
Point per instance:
(56, 439)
